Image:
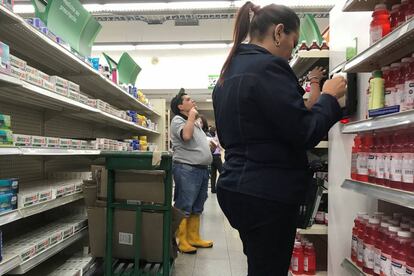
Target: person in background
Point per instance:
(265, 129)
(191, 157)
(217, 165)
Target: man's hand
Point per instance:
(193, 113)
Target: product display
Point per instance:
(303, 258)
(5, 66)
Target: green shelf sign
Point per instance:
(128, 69)
(71, 21)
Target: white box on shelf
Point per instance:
(42, 244)
(74, 95)
(22, 140)
(38, 141)
(65, 143)
(73, 86)
(32, 71)
(55, 236)
(62, 91)
(33, 79)
(27, 198)
(18, 73)
(76, 144)
(58, 81)
(44, 76)
(93, 102)
(101, 105)
(49, 86)
(83, 99)
(17, 62)
(52, 142)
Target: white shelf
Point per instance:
(49, 252)
(14, 215)
(316, 229)
(9, 151)
(322, 145)
(48, 56)
(56, 152)
(318, 273)
(15, 90)
(352, 268)
(391, 48)
(74, 266)
(9, 262)
(394, 196)
(364, 5)
(381, 122)
(303, 61)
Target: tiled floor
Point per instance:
(226, 258)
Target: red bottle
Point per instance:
(409, 84)
(408, 164)
(371, 235)
(360, 238)
(410, 10)
(354, 243)
(410, 260)
(388, 249)
(372, 159)
(395, 73)
(394, 16)
(297, 259)
(309, 260)
(401, 12)
(362, 160)
(381, 158)
(397, 149)
(388, 140)
(405, 63)
(380, 24)
(379, 243)
(400, 253)
(354, 158)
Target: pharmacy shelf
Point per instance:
(24, 267)
(352, 268)
(394, 196)
(15, 90)
(364, 5)
(14, 215)
(391, 48)
(56, 152)
(9, 262)
(9, 151)
(303, 61)
(50, 57)
(74, 266)
(381, 122)
(316, 229)
(318, 273)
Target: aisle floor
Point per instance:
(226, 258)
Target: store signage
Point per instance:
(212, 81)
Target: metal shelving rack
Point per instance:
(304, 60)
(316, 229)
(352, 268)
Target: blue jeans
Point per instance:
(191, 184)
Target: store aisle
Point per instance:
(226, 258)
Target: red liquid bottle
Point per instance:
(400, 253)
(355, 151)
(297, 259)
(387, 250)
(405, 63)
(310, 260)
(381, 157)
(382, 232)
(410, 260)
(371, 235)
(394, 16)
(408, 163)
(401, 12)
(396, 161)
(362, 160)
(389, 139)
(360, 238)
(410, 10)
(354, 242)
(372, 159)
(380, 25)
(409, 84)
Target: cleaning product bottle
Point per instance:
(386, 255)
(377, 84)
(409, 85)
(382, 231)
(387, 161)
(400, 254)
(380, 162)
(372, 158)
(360, 238)
(362, 161)
(380, 24)
(390, 86)
(354, 158)
(310, 260)
(396, 161)
(297, 259)
(396, 75)
(394, 16)
(408, 163)
(371, 234)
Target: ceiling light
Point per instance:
(172, 46)
(127, 47)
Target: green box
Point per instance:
(5, 121)
(6, 137)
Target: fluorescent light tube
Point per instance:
(172, 46)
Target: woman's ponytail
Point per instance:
(241, 30)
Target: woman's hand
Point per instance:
(317, 73)
(335, 87)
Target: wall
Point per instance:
(343, 204)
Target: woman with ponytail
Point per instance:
(265, 129)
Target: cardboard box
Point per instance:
(74, 95)
(22, 140)
(10, 185)
(73, 86)
(33, 79)
(49, 86)
(83, 99)
(52, 142)
(38, 141)
(8, 202)
(124, 234)
(31, 70)
(62, 91)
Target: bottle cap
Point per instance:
(380, 7)
(394, 229)
(377, 74)
(385, 68)
(385, 224)
(396, 64)
(361, 214)
(374, 221)
(395, 7)
(404, 234)
(365, 217)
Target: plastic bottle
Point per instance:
(401, 12)
(309, 266)
(354, 244)
(390, 86)
(360, 238)
(410, 260)
(379, 243)
(387, 160)
(297, 259)
(400, 253)
(314, 46)
(394, 16)
(380, 162)
(387, 250)
(400, 83)
(410, 10)
(397, 150)
(355, 151)
(371, 235)
(408, 164)
(303, 46)
(380, 24)
(362, 160)
(396, 75)
(409, 85)
(377, 92)
(324, 46)
(372, 158)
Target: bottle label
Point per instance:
(409, 94)
(396, 167)
(354, 245)
(369, 256)
(360, 250)
(398, 268)
(385, 265)
(379, 170)
(389, 96)
(371, 164)
(362, 163)
(399, 94)
(306, 264)
(408, 168)
(377, 261)
(354, 163)
(387, 166)
(295, 264)
(409, 270)
(376, 34)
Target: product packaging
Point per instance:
(36, 22)
(22, 140)
(38, 141)
(74, 95)
(101, 105)
(62, 91)
(33, 79)
(49, 86)
(8, 4)
(8, 202)
(92, 102)
(6, 137)
(52, 142)
(5, 121)
(5, 58)
(76, 144)
(73, 86)
(65, 143)
(83, 99)
(27, 198)
(31, 70)
(58, 81)
(19, 73)
(48, 33)
(9, 186)
(43, 76)
(17, 62)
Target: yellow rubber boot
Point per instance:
(193, 234)
(182, 234)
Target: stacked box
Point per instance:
(83, 99)
(101, 105)
(76, 144)
(8, 202)
(61, 85)
(9, 186)
(17, 62)
(73, 87)
(52, 142)
(33, 79)
(5, 66)
(74, 95)
(19, 73)
(93, 103)
(62, 91)
(32, 71)
(22, 140)
(39, 141)
(6, 138)
(43, 76)
(65, 143)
